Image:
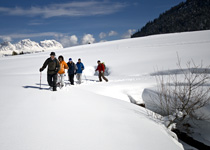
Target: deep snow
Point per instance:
(92, 115)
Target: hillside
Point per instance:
(192, 15)
(93, 115)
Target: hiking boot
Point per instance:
(54, 89)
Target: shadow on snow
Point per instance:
(36, 87)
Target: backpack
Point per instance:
(104, 65)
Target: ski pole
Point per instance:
(40, 80)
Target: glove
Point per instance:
(41, 69)
(56, 70)
(102, 72)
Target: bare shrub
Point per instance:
(180, 96)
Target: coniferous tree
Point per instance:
(192, 15)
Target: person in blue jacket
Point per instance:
(80, 68)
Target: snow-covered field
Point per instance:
(93, 115)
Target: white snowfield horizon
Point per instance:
(93, 115)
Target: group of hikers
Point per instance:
(56, 71)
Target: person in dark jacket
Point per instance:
(80, 68)
(53, 68)
(71, 71)
(101, 70)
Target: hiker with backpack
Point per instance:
(71, 71)
(101, 70)
(80, 68)
(53, 68)
(61, 72)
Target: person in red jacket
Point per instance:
(101, 70)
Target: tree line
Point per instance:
(192, 15)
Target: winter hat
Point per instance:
(70, 59)
(52, 54)
(60, 57)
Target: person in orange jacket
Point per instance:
(61, 72)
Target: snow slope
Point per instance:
(92, 115)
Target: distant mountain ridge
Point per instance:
(192, 15)
(28, 46)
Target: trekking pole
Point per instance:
(40, 80)
(85, 77)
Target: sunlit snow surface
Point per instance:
(93, 115)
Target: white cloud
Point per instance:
(113, 33)
(73, 40)
(88, 38)
(68, 41)
(65, 41)
(10, 37)
(30, 35)
(102, 35)
(35, 23)
(71, 9)
(128, 33)
(6, 38)
(102, 41)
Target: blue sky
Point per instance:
(76, 22)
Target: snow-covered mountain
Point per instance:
(7, 46)
(28, 46)
(50, 44)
